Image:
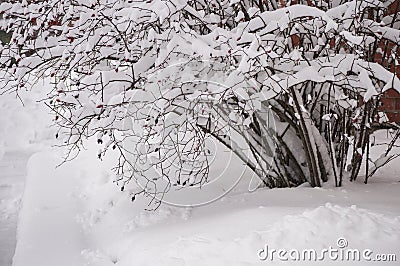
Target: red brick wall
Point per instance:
(391, 105)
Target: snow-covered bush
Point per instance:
(298, 86)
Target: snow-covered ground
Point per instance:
(23, 131)
(12, 177)
(76, 215)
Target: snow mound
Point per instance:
(313, 229)
(324, 225)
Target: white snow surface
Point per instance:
(23, 130)
(76, 215)
(12, 176)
